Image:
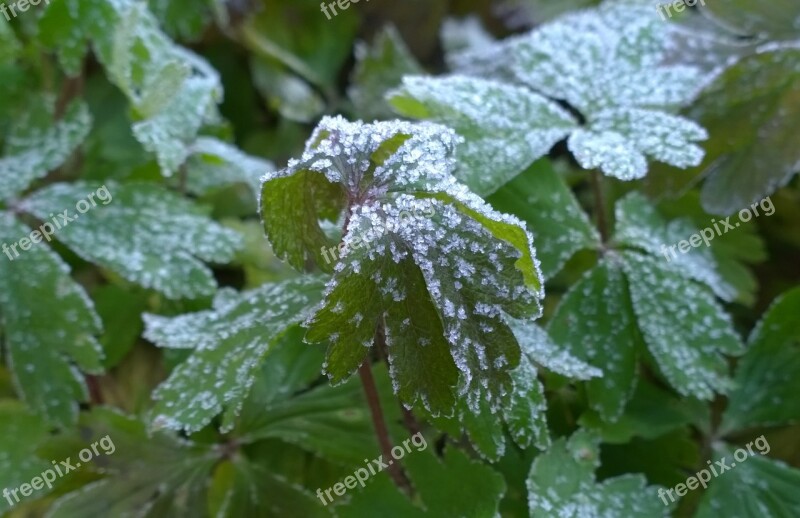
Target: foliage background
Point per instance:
(182, 146)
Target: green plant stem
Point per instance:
(600, 205)
(379, 422)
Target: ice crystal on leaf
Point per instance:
(610, 64)
(422, 257)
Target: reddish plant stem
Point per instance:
(379, 422)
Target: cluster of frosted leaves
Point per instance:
(171, 236)
(755, 488)
(214, 164)
(148, 474)
(630, 301)
(173, 92)
(36, 147)
(415, 236)
(379, 68)
(638, 225)
(49, 327)
(562, 483)
(541, 197)
(20, 435)
(767, 376)
(505, 127)
(608, 64)
(229, 343)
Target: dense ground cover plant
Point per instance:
(262, 261)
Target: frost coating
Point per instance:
(230, 342)
(32, 152)
(424, 230)
(171, 235)
(611, 64)
(49, 328)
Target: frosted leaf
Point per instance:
(767, 377)
(558, 222)
(21, 434)
(146, 471)
(537, 346)
(505, 127)
(614, 65)
(639, 225)
(608, 151)
(146, 234)
(596, 323)
(611, 56)
(379, 68)
(229, 344)
(562, 483)
(32, 151)
(685, 329)
(172, 91)
(411, 226)
(525, 414)
(618, 140)
(471, 50)
(759, 486)
(49, 327)
(214, 164)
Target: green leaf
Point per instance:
(749, 156)
(767, 377)
(379, 68)
(287, 93)
(20, 434)
(35, 288)
(562, 483)
(184, 19)
(451, 486)
(153, 475)
(291, 209)
(639, 225)
(505, 127)
(214, 164)
(596, 323)
(244, 488)
(776, 20)
(164, 251)
(173, 92)
(230, 342)
(331, 422)
(758, 487)
(34, 149)
(650, 413)
(685, 329)
(559, 225)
